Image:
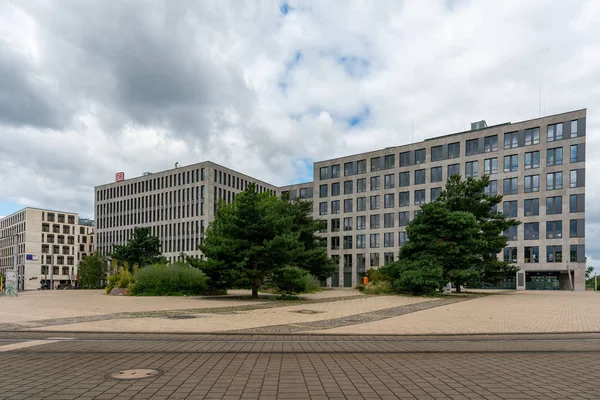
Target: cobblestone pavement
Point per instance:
(300, 366)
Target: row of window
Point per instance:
(348, 243)
(60, 218)
(554, 254)
(11, 220)
(554, 230)
(554, 205)
(45, 270)
(374, 259)
(235, 182)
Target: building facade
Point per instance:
(49, 246)
(368, 199)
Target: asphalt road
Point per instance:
(46, 365)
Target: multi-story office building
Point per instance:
(368, 199)
(176, 204)
(49, 246)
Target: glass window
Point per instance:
(375, 164)
(403, 218)
(402, 238)
(388, 220)
(348, 187)
(389, 181)
(531, 207)
(510, 254)
(574, 149)
(375, 202)
(532, 136)
(404, 199)
(374, 259)
(576, 228)
(573, 251)
(419, 156)
(553, 205)
(361, 241)
(390, 161)
(388, 257)
(374, 221)
(323, 208)
(490, 143)
(374, 240)
(532, 254)
(492, 188)
(361, 166)
(404, 179)
(335, 207)
(348, 168)
(347, 223)
(511, 163)
(510, 209)
(420, 177)
(454, 150)
(375, 183)
(511, 140)
(347, 205)
(335, 225)
(348, 244)
(436, 174)
(511, 233)
(388, 239)
(554, 156)
(573, 178)
(490, 166)
(435, 193)
(436, 153)
(453, 169)
(361, 204)
(532, 159)
(576, 203)
(553, 229)
(388, 200)
(574, 128)
(335, 189)
(323, 190)
(511, 186)
(419, 197)
(532, 230)
(335, 171)
(554, 181)
(472, 147)
(361, 185)
(555, 132)
(471, 169)
(554, 254)
(361, 223)
(405, 159)
(324, 173)
(335, 243)
(532, 183)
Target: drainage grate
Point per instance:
(130, 374)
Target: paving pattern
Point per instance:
(302, 367)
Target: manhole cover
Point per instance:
(129, 374)
(308, 312)
(181, 316)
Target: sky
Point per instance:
(267, 87)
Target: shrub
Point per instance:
(312, 284)
(122, 279)
(294, 280)
(375, 275)
(379, 287)
(417, 277)
(168, 280)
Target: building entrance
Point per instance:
(548, 280)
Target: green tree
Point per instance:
(290, 280)
(92, 271)
(143, 249)
(257, 234)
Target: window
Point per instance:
(532, 183)
(555, 132)
(388, 239)
(347, 223)
(553, 254)
(323, 208)
(435, 193)
(471, 169)
(576, 228)
(403, 218)
(388, 200)
(531, 207)
(490, 143)
(361, 185)
(574, 128)
(454, 150)
(532, 254)
(347, 205)
(348, 187)
(402, 238)
(348, 168)
(553, 229)
(510, 186)
(532, 136)
(374, 201)
(335, 243)
(361, 241)
(554, 180)
(436, 153)
(554, 205)
(511, 163)
(404, 179)
(322, 191)
(490, 166)
(577, 203)
(492, 188)
(511, 233)
(574, 151)
(472, 147)
(554, 156)
(573, 252)
(388, 220)
(532, 160)
(510, 254)
(361, 166)
(375, 183)
(511, 140)
(389, 181)
(436, 174)
(405, 159)
(374, 240)
(361, 223)
(335, 171)
(374, 259)
(453, 169)
(510, 209)
(532, 230)
(375, 164)
(335, 207)
(404, 199)
(419, 156)
(573, 178)
(335, 225)
(323, 173)
(419, 197)
(388, 257)
(390, 161)
(420, 177)
(347, 242)
(361, 204)
(335, 189)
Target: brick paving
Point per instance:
(303, 367)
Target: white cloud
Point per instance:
(97, 87)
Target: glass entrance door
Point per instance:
(542, 280)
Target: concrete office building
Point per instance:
(368, 199)
(49, 246)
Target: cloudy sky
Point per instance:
(88, 88)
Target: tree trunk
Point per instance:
(457, 287)
(255, 284)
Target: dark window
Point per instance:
(511, 163)
(335, 189)
(510, 254)
(374, 240)
(324, 173)
(532, 230)
(361, 204)
(511, 233)
(323, 190)
(436, 153)
(576, 203)
(420, 177)
(361, 185)
(404, 199)
(573, 252)
(490, 166)
(403, 218)
(554, 254)
(388, 240)
(375, 164)
(419, 197)
(388, 200)
(554, 156)
(335, 243)
(389, 181)
(348, 245)
(348, 168)
(472, 147)
(374, 221)
(375, 183)
(361, 166)
(360, 241)
(436, 174)
(554, 181)
(435, 193)
(348, 187)
(492, 188)
(347, 205)
(390, 161)
(511, 186)
(532, 136)
(420, 156)
(553, 229)
(323, 208)
(490, 143)
(511, 140)
(335, 207)
(335, 171)
(404, 179)
(510, 209)
(555, 132)
(405, 159)
(335, 225)
(574, 128)
(361, 223)
(453, 169)
(576, 228)
(531, 207)
(532, 159)
(532, 183)
(574, 151)
(532, 254)
(388, 220)
(471, 169)
(374, 202)
(454, 150)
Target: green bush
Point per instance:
(375, 275)
(294, 280)
(379, 287)
(168, 280)
(122, 279)
(311, 284)
(419, 277)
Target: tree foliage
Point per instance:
(92, 271)
(258, 234)
(143, 249)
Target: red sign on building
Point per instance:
(120, 176)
